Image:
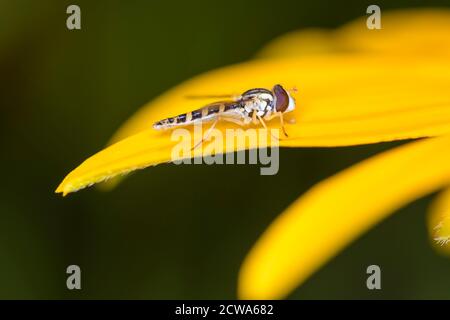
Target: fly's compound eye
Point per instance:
(281, 98)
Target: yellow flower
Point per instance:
(356, 86)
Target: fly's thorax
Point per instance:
(260, 101)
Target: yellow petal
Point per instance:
(407, 32)
(336, 211)
(342, 100)
(299, 43)
(439, 222)
(423, 32)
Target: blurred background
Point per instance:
(64, 93)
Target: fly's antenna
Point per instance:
(293, 89)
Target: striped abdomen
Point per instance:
(204, 114)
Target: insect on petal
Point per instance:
(365, 100)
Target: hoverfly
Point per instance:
(253, 106)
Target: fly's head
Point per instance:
(284, 102)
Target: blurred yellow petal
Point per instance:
(423, 32)
(343, 100)
(405, 32)
(299, 43)
(439, 222)
(336, 211)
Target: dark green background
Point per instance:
(168, 231)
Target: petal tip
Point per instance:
(64, 188)
(61, 189)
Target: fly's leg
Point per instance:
(242, 123)
(236, 121)
(255, 117)
(280, 114)
(265, 127)
(208, 133)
